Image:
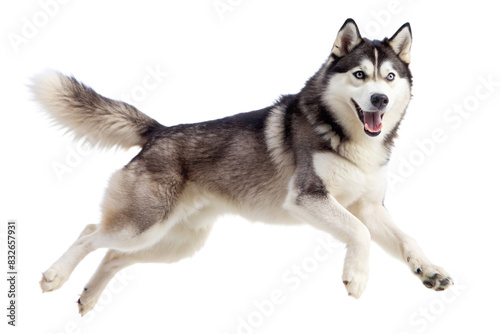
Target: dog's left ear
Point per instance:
(401, 42)
(347, 38)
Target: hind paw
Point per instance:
(86, 302)
(52, 279)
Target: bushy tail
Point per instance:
(101, 121)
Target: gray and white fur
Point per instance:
(316, 157)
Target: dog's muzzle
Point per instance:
(372, 120)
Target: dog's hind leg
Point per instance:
(59, 272)
(180, 242)
(135, 201)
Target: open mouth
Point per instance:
(372, 120)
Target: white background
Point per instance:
(444, 194)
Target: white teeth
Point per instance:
(358, 108)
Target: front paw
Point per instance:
(434, 277)
(355, 277)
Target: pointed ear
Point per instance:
(347, 38)
(401, 42)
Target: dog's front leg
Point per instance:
(322, 211)
(383, 231)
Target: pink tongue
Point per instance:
(373, 121)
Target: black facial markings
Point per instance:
(366, 50)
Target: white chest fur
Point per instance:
(348, 182)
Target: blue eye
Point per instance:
(359, 75)
(390, 76)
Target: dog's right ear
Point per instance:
(347, 38)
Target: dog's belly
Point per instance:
(265, 208)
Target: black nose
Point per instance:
(379, 101)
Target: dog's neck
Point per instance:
(360, 149)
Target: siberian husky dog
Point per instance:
(318, 157)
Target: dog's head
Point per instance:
(368, 83)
